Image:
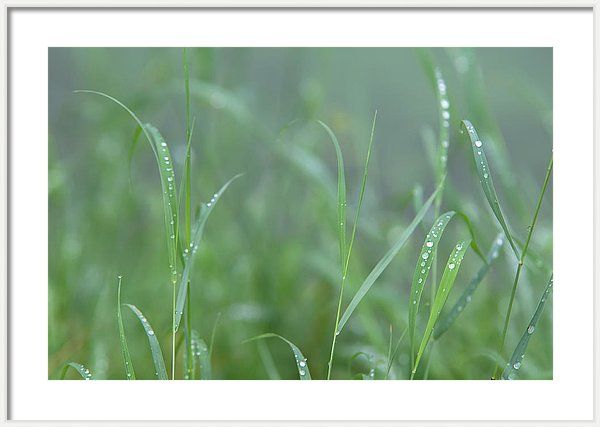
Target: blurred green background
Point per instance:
(269, 258)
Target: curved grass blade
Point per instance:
(301, 364)
(385, 261)
(189, 253)
(122, 339)
(200, 350)
(424, 262)
(447, 321)
(485, 177)
(514, 364)
(268, 362)
(446, 284)
(341, 191)
(81, 370)
(167, 177)
(170, 202)
(157, 356)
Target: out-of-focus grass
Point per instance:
(271, 258)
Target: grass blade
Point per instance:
(385, 261)
(516, 359)
(189, 253)
(446, 284)
(301, 364)
(157, 356)
(268, 362)
(341, 192)
(81, 370)
(200, 350)
(447, 321)
(342, 206)
(485, 177)
(124, 348)
(424, 262)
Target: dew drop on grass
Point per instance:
(477, 143)
(425, 255)
(444, 103)
(530, 329)
(451, 266)
(429, 244)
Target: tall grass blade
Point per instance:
(485, 177)
(197, 232)
(385, 261)
(301, 363)
(81, 370)
(157, 356)
(342, 206)
(514, 364)
(424, 262)
(130, 373)
(447, 321)
(341, 192)
(446, 284)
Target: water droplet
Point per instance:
(166, 158)
(150, 332)
(425, 255)
(468, 298)
(302, 372)
(445, 144)
(530, 329)
(451, 266)
(444, 103)
(302, 363)
(420, 280)
(478, 143)
(422, 271)
(517, 365)
(119, 277)
(209, 204)
(445, 115)
(485, 175)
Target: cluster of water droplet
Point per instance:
(301, 365)
(445, 116)
(213, 199)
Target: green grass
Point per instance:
(278, 254)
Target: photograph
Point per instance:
(300, 213)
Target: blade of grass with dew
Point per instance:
(301, 361)
(189, 253)
(384, 262)
(515, 361)
(485, 178)
(200, 350)
(465, 298)
(157, 357)
(341, 193)
(81, 370)
(521, 263)
(446, 284)
(345, 257)
(424, 263)
(130, 373)
(162, 154)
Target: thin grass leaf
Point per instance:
(462, 302)
(384, 262)
(485, 178)
(157, 356)
(301, 363)
(81, 370)
(167, 178)
(446, 284)
(201, 352)
(197, 232)
(394, 353)
(212, 335)
(130, 373)
(170, 202)
(424, 263)
(341, 191)
(515, 361)
(132, 147)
